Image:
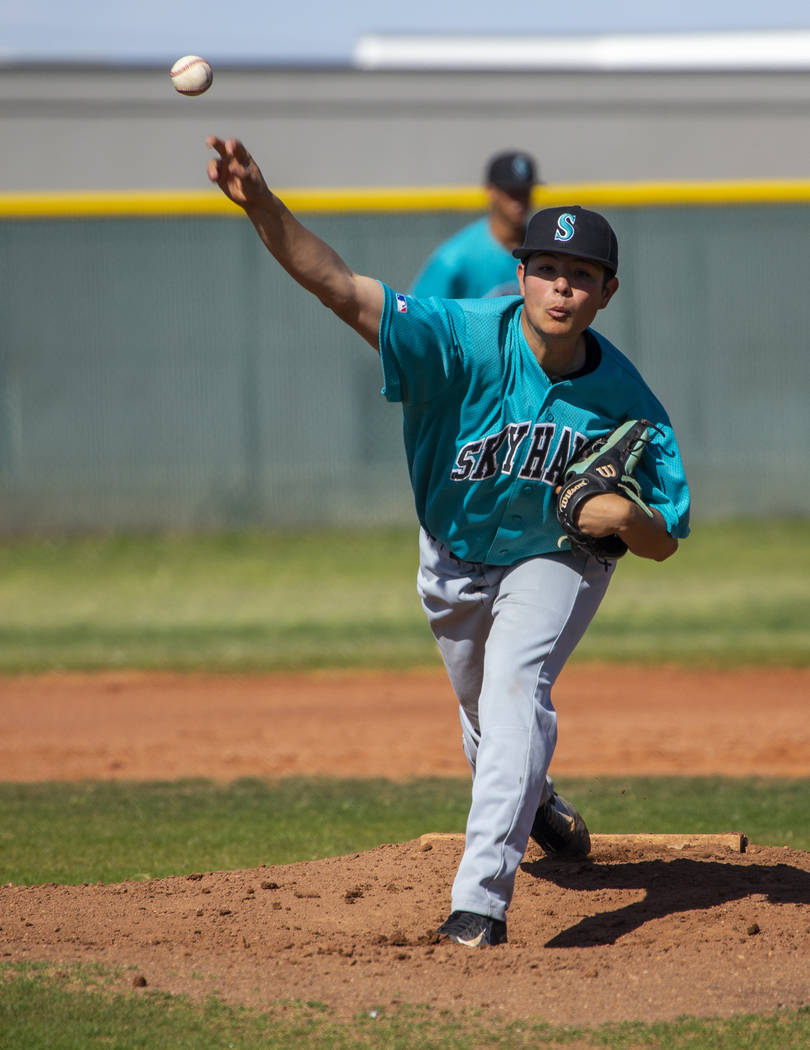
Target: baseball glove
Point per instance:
(605, 464)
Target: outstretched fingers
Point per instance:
(227, 151)
(214, 167)
(229, 148)
(234, 170)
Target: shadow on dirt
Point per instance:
(670, 886)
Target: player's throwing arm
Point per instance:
(311, 262)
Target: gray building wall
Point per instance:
(77, 128)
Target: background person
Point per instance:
(477, 261)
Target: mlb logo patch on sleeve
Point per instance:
(402, 305)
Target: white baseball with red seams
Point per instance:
(191, 75)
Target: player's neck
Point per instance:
(559, 358)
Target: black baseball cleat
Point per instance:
(560, 831)
(472, 930)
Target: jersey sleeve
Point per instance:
(662, 478)
(621, 393)
(419, 348)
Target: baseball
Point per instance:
(191, 75)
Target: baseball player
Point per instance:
(477, 261)
(497, 394)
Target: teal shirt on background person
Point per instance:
(471, 264)
(488, 434)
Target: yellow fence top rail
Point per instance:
(121, 204)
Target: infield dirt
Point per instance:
(632, 933)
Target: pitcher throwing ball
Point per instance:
(499, 397)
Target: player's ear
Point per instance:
(608, 291)
(521, 275)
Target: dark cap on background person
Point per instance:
(513, 170)
(572, 231)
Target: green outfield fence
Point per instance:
(159, 371)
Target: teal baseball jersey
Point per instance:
(488, 434)
(472, 264)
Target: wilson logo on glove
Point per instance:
(570, 491)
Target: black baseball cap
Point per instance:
(572, 231)
(513, 170)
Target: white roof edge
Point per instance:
(785, 50)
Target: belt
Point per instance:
(455, 557)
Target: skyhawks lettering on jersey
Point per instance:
(541, 440)
(484, 458)
(487, 434)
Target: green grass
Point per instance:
(83, 1008)
(736, 593)
(86, 832)
(248, 601)
(90, 831)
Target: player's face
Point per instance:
(562, 294)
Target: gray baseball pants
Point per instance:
(505, 633)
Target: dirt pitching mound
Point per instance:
(640, 934)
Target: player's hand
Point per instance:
(645, 536)
(236, 173)
(606, 513)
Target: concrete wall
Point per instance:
(125, 128)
